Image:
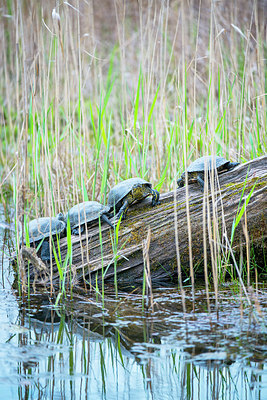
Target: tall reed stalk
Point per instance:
(82, 109)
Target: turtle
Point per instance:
(128, 192)
(39, 230)
(196, 170)
(86, 212)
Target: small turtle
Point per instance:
(86, 212)
(196, 170)
(128, 192)
(39, 229)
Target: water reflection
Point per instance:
(122, 352)
(116, 349)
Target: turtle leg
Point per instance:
(45, 251)
(77, 230)
(124, 209)
(201, 181)
(105, 219)
(180, 182)
(155, 197)
(232, 165)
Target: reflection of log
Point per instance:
(223, 205)
(166, 323)
(130, 326)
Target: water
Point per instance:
(80, 351)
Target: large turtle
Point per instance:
(128, 192)
(40, 229)
(86, 212)
(196, 170)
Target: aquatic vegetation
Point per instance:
(92, 96)
(77, 121)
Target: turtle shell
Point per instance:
(41, 228)
(209, 162)
(121, 190)
(85, 212)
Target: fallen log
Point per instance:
(173, 233)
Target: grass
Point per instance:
(80, 110)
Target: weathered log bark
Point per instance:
(150, 233)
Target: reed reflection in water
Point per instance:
(121, 352)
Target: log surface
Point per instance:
(149, 232)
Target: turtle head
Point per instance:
(180, 182)
(60, 217)
(232, 165)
